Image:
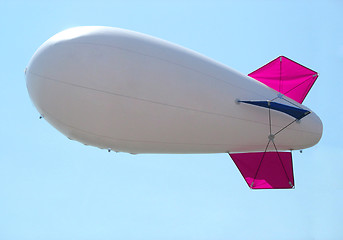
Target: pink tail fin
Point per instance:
(287, 77)
(266, 170)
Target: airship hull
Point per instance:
(121, 90)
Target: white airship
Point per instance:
(130, 92)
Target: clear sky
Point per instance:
(53, 188)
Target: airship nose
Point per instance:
(32, 88)
(40, 69)
(35, 81)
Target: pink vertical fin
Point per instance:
(266, 170)
(287, 77)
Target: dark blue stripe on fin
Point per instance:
(295, 112)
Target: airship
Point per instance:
(125, 91)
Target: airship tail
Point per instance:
(272, 169)
(266, 170)
(287, 77)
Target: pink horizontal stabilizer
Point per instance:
(287, 77)
(269, 170)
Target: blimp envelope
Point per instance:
(129, 92)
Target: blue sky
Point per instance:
(53, 188)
